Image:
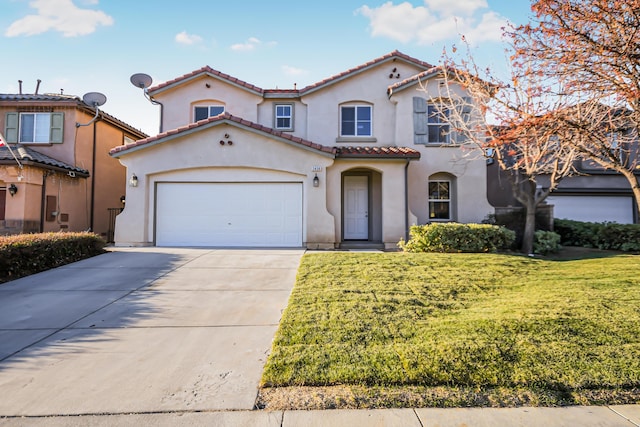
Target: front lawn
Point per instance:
(395, 329)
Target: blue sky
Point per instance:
(81, 46)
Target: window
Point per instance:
(34, 128)
(283, 119)
(206, 111)
(355, 120)
(437, 126)
(439, 200)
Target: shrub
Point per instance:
(546, 242)
(607, 235)
(452, 237)
(25, 254)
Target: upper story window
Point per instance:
(202, 112)
(356, 120)
(430, 123)
(34, 128)
(437, 124)
(283, 116)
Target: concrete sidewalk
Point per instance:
(577, 416)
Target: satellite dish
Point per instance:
(95, 99)
(141, 80)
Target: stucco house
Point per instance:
(352, 160)
(55, 175)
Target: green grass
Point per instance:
(461, 321)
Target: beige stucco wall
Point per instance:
(199, 157)
(392, 193)
(369, 87)
(178, 102)
(465, 163)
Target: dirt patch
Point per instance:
(359, 397)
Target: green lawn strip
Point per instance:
(460, 320)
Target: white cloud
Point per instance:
(251, 44)
(188, 39)
(437, 20)
(59, 15)
(293, 71)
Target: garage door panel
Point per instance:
(593, 208)
(229, 214)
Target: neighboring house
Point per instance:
(352, 160)
(594, 194)
(62, 177)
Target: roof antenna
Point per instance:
(93, 99)
(38, 86)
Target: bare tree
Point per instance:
(512, 123)
(592, 48)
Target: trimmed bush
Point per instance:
(546, 242)
(606, 235)
(25, 254)
(452, 237)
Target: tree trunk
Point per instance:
(529, 228)
(635, 186)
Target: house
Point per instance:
(55, 175)
(351, 161)
(592, 194)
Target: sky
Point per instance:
(80, 46)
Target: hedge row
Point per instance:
(606, 235)
(453, 237)
(25, 254)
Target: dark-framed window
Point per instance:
(202, 112)
(440, 200)
(356, 120)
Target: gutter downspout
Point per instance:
(93, 179)
(43, 197)
(406, 201)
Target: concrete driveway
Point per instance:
(142, 330)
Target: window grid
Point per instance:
(437, 125)
(35, 127)
(283, 119)
(202, 112)
(439, 200)
(355, 120)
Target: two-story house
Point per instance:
(54, 174)
(352, 160)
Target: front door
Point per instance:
(356, 207)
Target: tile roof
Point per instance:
(365, 66)
(222, 118)
(56, 97)
(378, 152)
(29, 156)
(290, 92)
(416, 78)
(210, 71)
(351, 152)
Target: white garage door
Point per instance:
(229, 214)
(593, 208)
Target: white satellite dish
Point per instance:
(141, 80)
(95, 99)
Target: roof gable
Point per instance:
(205, 71)
(225, 118)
